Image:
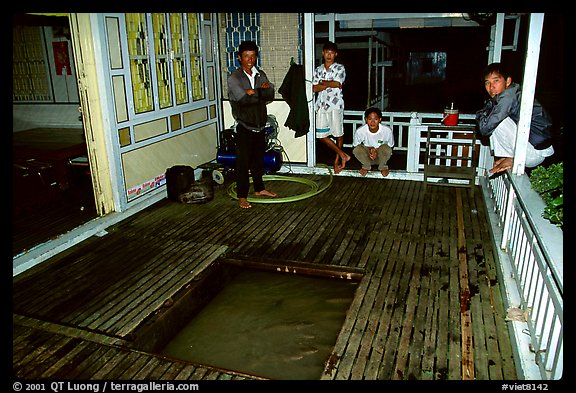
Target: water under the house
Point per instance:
(274, 325)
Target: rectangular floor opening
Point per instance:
(274, 322)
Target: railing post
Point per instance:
(414, 130)
(507, 216)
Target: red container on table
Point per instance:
(450, 116)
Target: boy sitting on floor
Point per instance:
(373, 143)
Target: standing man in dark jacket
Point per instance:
(498, 119)
(249, 91)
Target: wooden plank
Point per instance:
(124, 363)
(173, 370)
(348, 238)
(466, 318)
(408, 330)
(331, 233)
(293, 245)
(492, 300)
(146, 370)
(24, 340)
(51, 355)
(185, 372)
(492, 318)
(414, 214)
(90, 364)
(404, 321)
(132, 370)
(378, 262)
(416, 346)
(69, 370)
(333, 363)
(158, 371)
(477, 280)
(455, 338)
(428, 362)
(41, 356)
(296, 267)
(114, 362)
(426, 371)
(271, 227)
(65, 330)
(65, 359)
(373, 347)
(28, 348)
(134, 293)
(368, 222)
(442, 256)
(137, 315)
(400, 305)
(117, 296)
(409, 205)
(390, 290)
(69, 295)
(371, 256)
(476, 298)
(106, 355)
(367, 216)
(394, 215)
(199, 373)
(211, 375)
(354, 360)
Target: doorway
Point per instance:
(52, 187)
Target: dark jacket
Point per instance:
(507, 104)
(249, 111)
(293, 90)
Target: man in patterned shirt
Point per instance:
(327, 82)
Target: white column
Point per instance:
(308, 73)
(496, 34)
(528, 89)
(494, 56)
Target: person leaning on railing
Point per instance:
(498, 120)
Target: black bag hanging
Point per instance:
(179, 179)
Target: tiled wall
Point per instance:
(278, 36)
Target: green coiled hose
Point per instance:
(315, 189)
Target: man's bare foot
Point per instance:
(502, 164)
(266, 193)
(244, 204)
(363, 171)
(340, 162)
(385, 172)
(345, 158)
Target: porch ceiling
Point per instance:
(406, 20)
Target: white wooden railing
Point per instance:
(531, 248)
(398, 121)
(409, 130)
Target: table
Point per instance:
(55, 146)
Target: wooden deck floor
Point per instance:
(427, 306)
